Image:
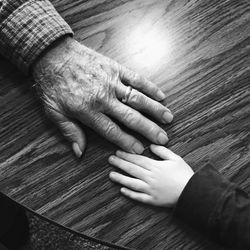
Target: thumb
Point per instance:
(71, 131)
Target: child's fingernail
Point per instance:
(76, 149)
(111, 158)
(167, 116)
(118, 152)
(111, 175)
(162, 138)
(123, 190)
(137, 148)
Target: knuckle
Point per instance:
(66, 128)
(136, 186)
(159, 108)
(110, 130)
(68, 134)
(135, 97)
(125, 182)
(132, 171)
(151, 181)
(153, 130)
(130, 118)
(103, 92)
(134, 77)
(129, 169)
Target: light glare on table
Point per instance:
(148, 45)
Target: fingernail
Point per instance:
(77, 150)
(111, 175)
(162, 138)
(118, 152)
(137, 148)
(167, 116)
(111, 159)
(160, 95)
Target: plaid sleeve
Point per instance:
(27, 28)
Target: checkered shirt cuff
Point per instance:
(29, 30)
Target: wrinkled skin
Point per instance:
(77, 83)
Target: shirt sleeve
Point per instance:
(27, 28)
(217, 207)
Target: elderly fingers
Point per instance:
(141, 102)
(139, 123)
(112, 132)
(131, 78)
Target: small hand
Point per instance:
(77, 83)
(158, 183)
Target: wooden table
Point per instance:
(203, 67)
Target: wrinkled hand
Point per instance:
(158, 183)
(79, 84)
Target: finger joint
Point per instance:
(130, 118)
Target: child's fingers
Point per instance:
(140, 160)
(129, 167)
(163, 152)
(141, 197)
(129, 182)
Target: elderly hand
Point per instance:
(79, 84)
(158, 183)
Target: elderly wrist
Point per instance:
(60, 48)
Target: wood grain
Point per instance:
(206, 77)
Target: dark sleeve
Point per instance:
(217, 207)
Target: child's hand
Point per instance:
(158, 183)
